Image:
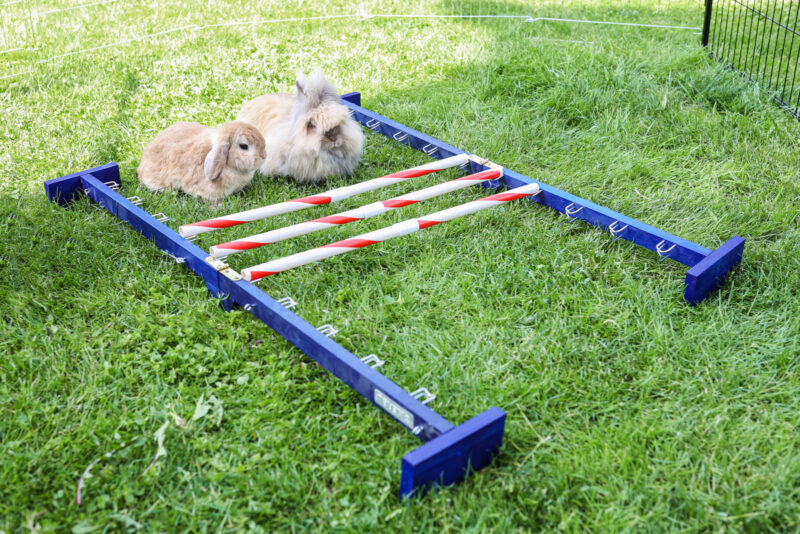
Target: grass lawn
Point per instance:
(627, 409)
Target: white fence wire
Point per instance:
(28, 40)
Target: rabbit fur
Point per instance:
(311, 135)
(210, 163)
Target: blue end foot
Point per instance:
(710, 272)
(353, 98)
(65, 189)
(452, 456)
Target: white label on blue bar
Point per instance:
(394, 409)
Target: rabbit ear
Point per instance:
(314, 89)
(300, 83)
(216, 159)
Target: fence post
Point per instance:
(707, 22)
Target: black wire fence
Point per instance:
(760, 39)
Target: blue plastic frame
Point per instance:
(450, 453)
(708, 268)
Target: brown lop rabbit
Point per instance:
(311, 135)
(210, 163)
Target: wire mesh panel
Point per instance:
(758, 38)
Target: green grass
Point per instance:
(627, 409)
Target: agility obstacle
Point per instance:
(450, 453)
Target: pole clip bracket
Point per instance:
(223, 268)
(486, 162)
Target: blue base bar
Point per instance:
(620, 226)
(451, 457)
(456, 445)
(709, 273)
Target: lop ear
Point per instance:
(216, 159)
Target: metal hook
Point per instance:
(135, 200)
(402, 137)
(177, 259)
(160, 217)
(287, 302)
(430, 149)
(249, 307)
(114, 186)
(570, 212)
(661, 251)
(373, 124)
(373, 361)
(423, 395)
(328, 329)
(615, 230)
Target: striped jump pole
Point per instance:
(396, 230)
(364, 212)
(334, 195)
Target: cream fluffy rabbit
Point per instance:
(210, 163)
(311, 135)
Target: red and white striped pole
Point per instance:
(334, 195)
(396, 230)
(364, 212)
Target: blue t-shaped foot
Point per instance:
(708, 274)
(452, 456)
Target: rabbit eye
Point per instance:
(311, 125)
(331, 134)
(243, 146)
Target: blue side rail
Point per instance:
(450, 453)
(707, 268)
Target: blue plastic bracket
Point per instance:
(450, 453)
(708, 268)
